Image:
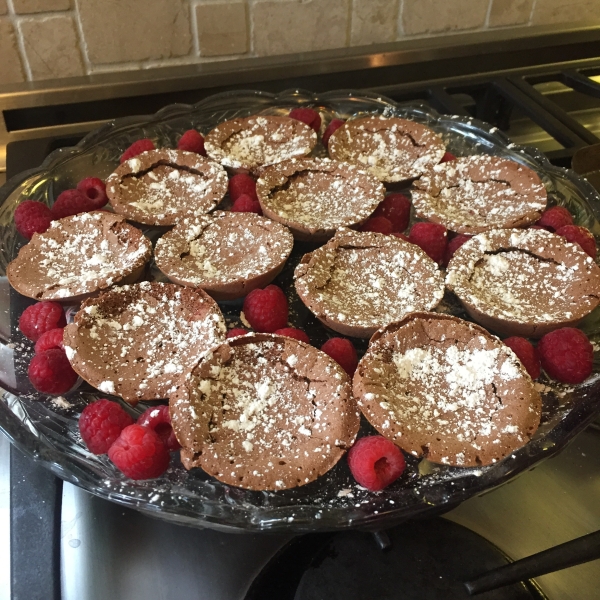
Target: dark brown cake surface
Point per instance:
(264, 412)
(136, 341)
(78, 256)
(473, 194)
(524, 282)
(159, 187)
(446, 389)
(251, 142)
(315, 197)
(391, 149)
(361, 281)
(228, 254)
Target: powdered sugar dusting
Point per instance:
(390, 149)
(477, 193)
(465, 373)
(165, 185)
(259, 140)
(269, 422)
(223, 248)
(367, 280)
(140, 339)
(530, 276)
(444, 387)
(79, 255)
(317, 194)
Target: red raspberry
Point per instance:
(266, 310)
(139, 453)
(244, 203)
(333, 126)
(292, 332)
(71, 202)
(50, 339)
(401, 236)
(430, 237)
(41, 317)
(95, 190)
(526, 353)
(192, 141)
(453, 245)
(581, 236)
(51, 373)
(567, 355)
(375, 462)
(32, 217)
(101, 423)
(396, 209)
(448, 156)
(143, 145)
(343, 352)
(377, 225)
(556, 217)
(159, 420)
(237, 331)
(242, 184)
(307, 115)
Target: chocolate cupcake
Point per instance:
(264, 412)
(252, 142)
(160, 187)
(136, 341)
(524, 282)
(79, 256)
(361, 281)
(226, 254)
(391, 149)
(446, 389)
(473, 194)
(315, 197)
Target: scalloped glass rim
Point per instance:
(47, 432)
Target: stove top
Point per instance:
(542, 90)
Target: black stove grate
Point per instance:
(495, 100)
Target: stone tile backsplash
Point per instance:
(47, 39)
(51, 47)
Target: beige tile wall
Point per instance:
(43, 39)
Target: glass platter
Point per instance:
(46, 428)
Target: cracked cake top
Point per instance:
(360, 281)
(446, 389)
(314, 197)
(252, 142)
(227, 254)
(160, 187)
(136, 341)
(524, 282)
(264, 412)
(473, 194)
(391, 149)
(79, 256)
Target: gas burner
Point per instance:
(419, 560)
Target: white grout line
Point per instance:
(250, 30)
(82, 43)
(349, 25)
(400, 24)
(164, 62)
(486, 23)
(194, 26)
(20, 40)
(531, 13)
